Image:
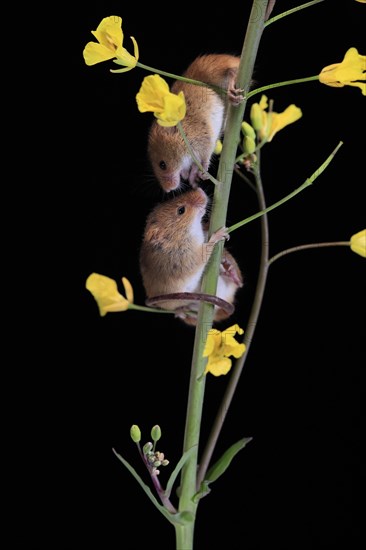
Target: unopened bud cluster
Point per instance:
(154, 459)
(249, 145)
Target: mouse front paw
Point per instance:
(235, 95)
(230, 270)
(219, 235)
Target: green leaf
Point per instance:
(180, 518)
(176, 470)
(222, 464)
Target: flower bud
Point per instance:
(147, 447)
(156, 433)
(135, 433)
(248, 130)
(256, 116)
(248, 145)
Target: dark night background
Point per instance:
(299, 483)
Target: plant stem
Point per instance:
(191, 152)
(279, 84)
(248, 335)
(290, 12)
(184, 534)
(306, 183)
(306, 247)
(178, 77)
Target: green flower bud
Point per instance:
(248, 145)
(256, 116)
(248, 130)
(135, 433)
(147, 447)
(156, 433)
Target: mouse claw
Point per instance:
(235, 95)
(219, 235)
(227, 269)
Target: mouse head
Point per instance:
(170, 159)
(176, 218)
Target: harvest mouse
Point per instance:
(175, 252)
(203, 124)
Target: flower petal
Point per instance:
(109, 32)
(128, 289)
(361, 85)
(346, 73)
(280, 120)
(96, 53)
(105, 292)
(219, 345)
(174, 110)
(151, 94)
(212, 342)
(219, 366)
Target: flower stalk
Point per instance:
(189, 486)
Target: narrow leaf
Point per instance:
(176, 471)
(222, 464)
(179, 518)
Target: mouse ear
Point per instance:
(152, 232)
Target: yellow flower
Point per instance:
(347, 73)
(109, 46)
(106, 293)
(268, 124)
(219, 346)
(362, 1)
(358, 243)
(155, 96)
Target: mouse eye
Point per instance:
(162, 165)
(181, 210)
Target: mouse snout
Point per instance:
(170, 182)
(170, 186)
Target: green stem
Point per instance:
(252, 322)
(178, 77)
(306, 247)
(248, 336)
(184, 534)
(279, 84)
(195, 159)
(290, 12)
(306, 184)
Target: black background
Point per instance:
(298, 483)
